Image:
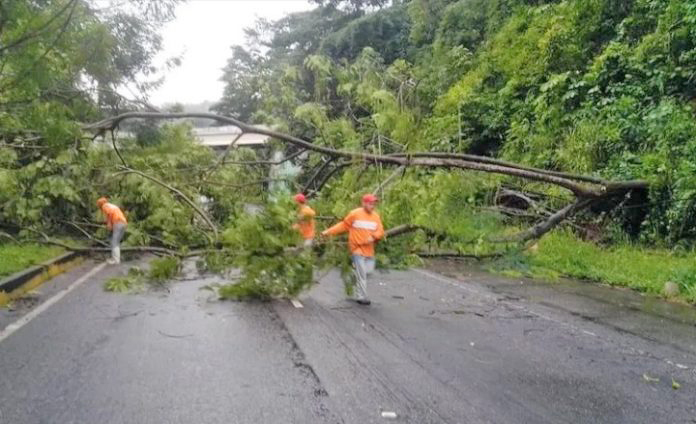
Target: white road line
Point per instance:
(10, 329)
(296, 303)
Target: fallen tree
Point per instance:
(586, 190)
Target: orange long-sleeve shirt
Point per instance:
(113, 215)
(360, 225)
(305, 224)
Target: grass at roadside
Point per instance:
(16, 257)
(647, 270)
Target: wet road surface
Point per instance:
(449, 347)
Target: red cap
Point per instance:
(370, 198)
(300, 198)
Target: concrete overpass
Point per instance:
(218, 138)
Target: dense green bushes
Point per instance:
(595, 87)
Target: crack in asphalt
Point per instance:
(299, 361)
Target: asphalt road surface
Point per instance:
(449, 347)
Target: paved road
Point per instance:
(454, 347)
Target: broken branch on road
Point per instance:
(175, 336)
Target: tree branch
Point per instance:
(435, 159)
(6, 235)
(316, 174)
(544, 227)
(146, 249)
(224, 155)
(409, 228)
(200, 212)
(252, 183)
(502, 193)
(457, 255)
(85, 232)
(113, 141)
(326, 178)
(23, 146)
(493, 161)
(266, 162)
(27, 70)
(380, 187)
(43, 28)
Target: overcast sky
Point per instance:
(202, 33)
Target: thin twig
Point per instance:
(26, 37)
(326, 178)
(224, 156)
(265, 162)
(380, 187)
(6, 235)
(113, 142)
(457, 255)
(83, 231)
(252, 183)
(178, 193)
(316, 174)
(174, 336)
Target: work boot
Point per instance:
(111, 261)
(363, 302)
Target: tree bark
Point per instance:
(409, 228)
(544, 227)
(493, 161)
(142, 249)
(456, 255)
(266, 162)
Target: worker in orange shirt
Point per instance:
(364, 228)
(305, 221)
(116, 223)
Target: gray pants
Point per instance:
(116, 236)
(362, 267)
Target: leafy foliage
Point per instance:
(163, 269)
(259, 242)
(62, 62)
(132, 282)
(160, 271)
